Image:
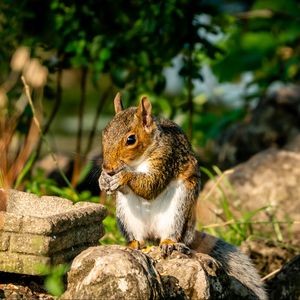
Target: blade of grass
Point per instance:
(25, 170)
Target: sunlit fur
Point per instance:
(158, 183)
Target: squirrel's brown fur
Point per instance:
(149, 164)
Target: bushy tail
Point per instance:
(235, 263)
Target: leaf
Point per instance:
(25, 170)
(104, 54)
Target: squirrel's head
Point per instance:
(127, 136)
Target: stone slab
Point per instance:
(46, 215)
(4, 241)
(46, 230)
(68, 254)
(47, 245)
(28, 204)
(22, 263)
(10, 222)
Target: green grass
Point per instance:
(234, 229)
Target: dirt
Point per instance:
(15, 287)
(270, 256)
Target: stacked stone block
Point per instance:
(46, 230)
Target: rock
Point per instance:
(286, 283)
(113, 272)
(116, 272)
(273, 122)
(45, 230)
(269, 180)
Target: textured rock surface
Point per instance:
(46, 230)
(113, 273)
(269, 179)
(116, 272)
(286, 283)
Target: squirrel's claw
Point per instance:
(180, 247)
(166, 249)
(168, 246)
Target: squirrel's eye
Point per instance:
(131, 140)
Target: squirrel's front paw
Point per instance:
(110, 184)
(104, 180)
(116, 181)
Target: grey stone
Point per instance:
(29, 243)
(27, 204)
(69, 254)
(22, 263)
(116, 272)
(269, 180)
(4, 241)
(47, 245)
(10, 222)
(44, 215)
(113, 272)
(77, 236)
(37, 230)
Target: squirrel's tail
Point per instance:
(235, 263)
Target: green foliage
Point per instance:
(112, 233)
(40, 185)
(132, 41)
(264, 40)
(209, 125)
(54, 278)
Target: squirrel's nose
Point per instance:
(108, 170)
(111, 173)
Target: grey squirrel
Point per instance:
(149, 164)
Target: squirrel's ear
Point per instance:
(118, 103)
(144, 112)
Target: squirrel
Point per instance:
(149, 164)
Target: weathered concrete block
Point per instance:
(4, 241)
(77, 236)
(29, 243)
(10, 222)
(37, 230)
(22, 263)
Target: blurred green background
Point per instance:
(205, 64)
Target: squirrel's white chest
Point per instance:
(154, 219)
